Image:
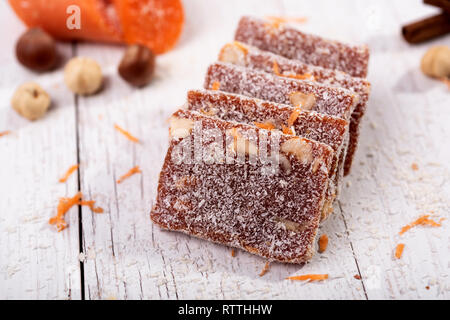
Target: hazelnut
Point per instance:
(137, 65)
(83, 75)
(30, 101)
(36, 50)
(436, 62)
(302, 100)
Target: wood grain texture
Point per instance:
(126, 257)
(35, 261)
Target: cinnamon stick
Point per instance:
(427, 29)
(443, 4)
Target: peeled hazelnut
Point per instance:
(83, 75)
(137, 65)
(30, 101)
(36, 50)
(302, 100)
(436, 62)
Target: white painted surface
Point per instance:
(126, 257)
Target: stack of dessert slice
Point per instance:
(256, 158)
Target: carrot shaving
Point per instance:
(323, 243)
(276, 71)
(294, 115)
(4, 133)
(66, 176)
(65, 204)
(421, 221)
(91, 205)
(399, 250)
(233, 253)
(415, 167)
(287, 130)
(265, 269)
(126, 133)
(309, 277)
(265, 125)
(129, 174)
(357, 277)
(215, 85)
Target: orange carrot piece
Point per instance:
(126, 133)
(4, 133)
(276, 71)
(399, 250)
(215, 85)
(265, 269)
(309, 277)
(294, 115)
(414, 166)
(129, 174)
(323, 243)
(287, 130)
(65, 204)
(265, 125)
(421, 221)
(233, 253)
(68, 173)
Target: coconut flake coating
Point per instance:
(330, 130)
(231, 78)
(236, 204)
(294, 44)
(251, 57)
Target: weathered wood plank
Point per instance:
(36, 262)
(131, 258)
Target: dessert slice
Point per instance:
(307, 95)
(248, 56)
(241, 186)
(294, 44)
(330, 130)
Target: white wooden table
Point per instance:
(124, 256)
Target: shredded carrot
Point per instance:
(265, 125)
(294, 115)
(309, 277)
(287, 130)
(65, 204)
(265, 269)
(215, 85)
(66, 176)
(233, 253)
(4, 133)
(91, 205)
(357, 277)
(276, 70)
(399, 250)
(421, 221)
(414, 166)
(129, 174)
(323, 243)
(126, 133)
